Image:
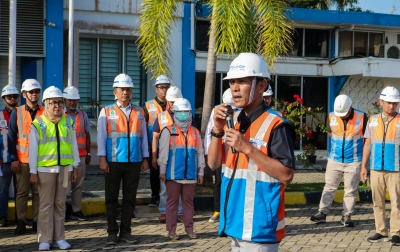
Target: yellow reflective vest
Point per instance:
(55, 141)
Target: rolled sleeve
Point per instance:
(281, 145)
(163, 153)
(367, 133)
(101, 134)
(207, 135)
(201, 161)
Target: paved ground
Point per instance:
(302, 235)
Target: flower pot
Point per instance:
(311, 158)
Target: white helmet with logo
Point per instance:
(390, 94)
(71, 93)
(173, 93)
(268, 92)
(162, 79)
(52, 92)
(342, 105)
(181, 104)
(30, 84)
(8, 90)
(247, 65)
(123, 81)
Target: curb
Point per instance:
(96, 206)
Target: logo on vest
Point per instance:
(374, 122)
(174, 131)
(258, 142)
(164, 119)
(67, 125)
(152, 108)
(112, 113)
(3, 124)
(333, 121)
(42, 125)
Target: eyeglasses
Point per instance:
(35, 91)
(9, 97)
(163, 87)
(56, 104)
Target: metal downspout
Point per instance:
(12, 59)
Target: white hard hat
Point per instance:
(30, 84)
(390, 94)
(247, 65)
(162, 79)
(123, 80)
(227, 98)
(181, 104)
(8, 90)
(342, 105)
(268, 92)
(71, 93)
(52, 92)
(173, 93)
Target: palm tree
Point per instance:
(260, 26)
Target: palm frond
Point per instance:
(155, 29)
(274, 29)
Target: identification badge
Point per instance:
(258, 142)
(42, 125)
(3, 124)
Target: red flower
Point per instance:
(300, 100)
(296, 96)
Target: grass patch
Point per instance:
(307, 187)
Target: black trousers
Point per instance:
(129, 174)
(154, 180)
(217, 189)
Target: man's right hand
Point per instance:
(220, 116)
(15, 167)
(154, 162)
(363, 174)
(104, 165)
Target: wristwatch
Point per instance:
(88, 154)
(217, 135)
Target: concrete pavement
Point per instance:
(302, 234)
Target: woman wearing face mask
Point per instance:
(181, 161)
(53, 156)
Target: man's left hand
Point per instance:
(74, 176)
(144, 166)
(88, 159)
(236, 140)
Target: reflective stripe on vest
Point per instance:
(4, 125)
(384, 147)
(253, 208)
(80, 132)
(124, 137)
(24, 121)
(153, 108)
(55, 141)
(182, 159)
(349, 142)
(164, 119)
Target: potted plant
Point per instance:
(305, 121)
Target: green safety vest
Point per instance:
(55, 141)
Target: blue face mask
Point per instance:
(182, 116)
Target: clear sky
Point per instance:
(380, 6)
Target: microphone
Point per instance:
(229, 121)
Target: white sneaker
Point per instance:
(44, 246)
(62, 244)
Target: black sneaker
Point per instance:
(21, 227)
(128, 238)
(395, 240)
(320, 217)
(346, 221)
(3, 221)
(78, 216)
(34, 226)
(154, 202)
(112, 239)
(378, 238)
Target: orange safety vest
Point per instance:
(164, 119)
(153, 109)
(80, 132)
(24, 121)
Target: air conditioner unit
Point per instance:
(391, 51)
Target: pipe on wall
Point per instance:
(70, 41)
(12, 58)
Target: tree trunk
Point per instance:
(209, 93)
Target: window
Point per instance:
(314, 91)
(316, 43)
(202, 37)
(100, 60)
(357, 43)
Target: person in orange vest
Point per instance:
(123, 151)
(258, 163)
(10, 97)
(20, 122)
(347, 126)
(381, 148)
(151, 109)
(181, 161)
(71, 98)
